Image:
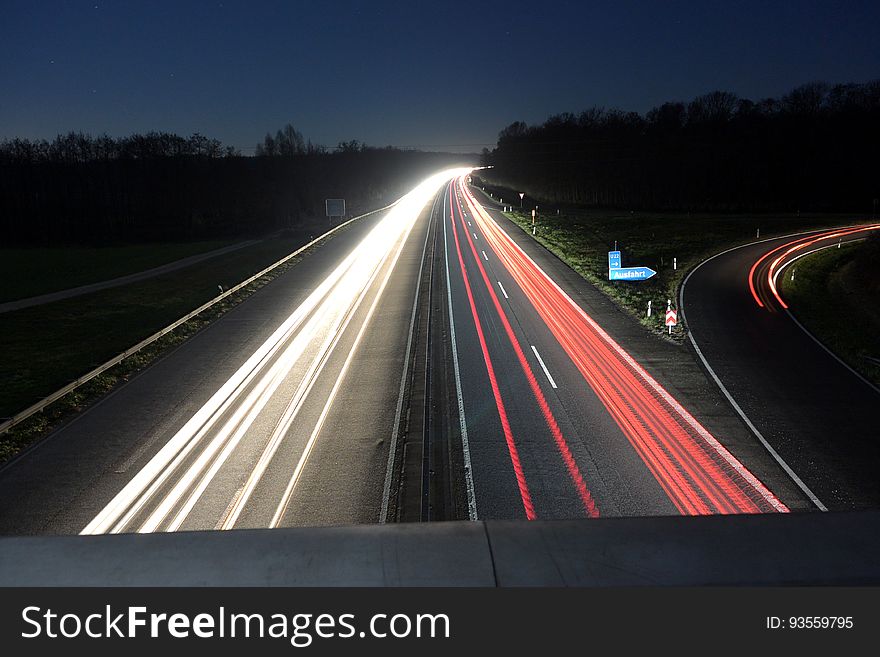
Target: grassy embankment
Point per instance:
(651, 239)
(45, 347)
(835, 294)
(28, 272)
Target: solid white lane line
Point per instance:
(544, 367)
(210, 461)
(647, 378)
(208, 465)
(465, 444)
(503, 291)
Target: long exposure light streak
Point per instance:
(163, 493)
(577, 478)
(765, 271)
(698, 474)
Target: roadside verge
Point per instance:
(36, 421)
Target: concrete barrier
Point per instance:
(795, 549)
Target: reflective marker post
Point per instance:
(671, 316)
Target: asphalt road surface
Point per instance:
(817, 414)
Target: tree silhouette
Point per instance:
(813, 149)
(161, 186)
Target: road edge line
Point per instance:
(809, 333)
(465, 443)
(779, 460)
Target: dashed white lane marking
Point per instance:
(544, 367)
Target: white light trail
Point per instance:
(194, 455)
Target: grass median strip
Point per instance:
(48, 346)
(836, 296)
(29, 272)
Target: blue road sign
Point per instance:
(618, 273)
(630, 274)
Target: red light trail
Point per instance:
(493, 381)
(699, 475)
(562, 445)
(762, 275)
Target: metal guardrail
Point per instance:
(85, 378)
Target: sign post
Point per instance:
(334, 207)
(671, 316)
(521, 199)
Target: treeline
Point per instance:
(79, 148)
(289, 141)
(160, 186)
(814, 149)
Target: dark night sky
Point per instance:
(402, 73)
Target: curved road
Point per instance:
(812, 410)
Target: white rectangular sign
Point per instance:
(335, 207)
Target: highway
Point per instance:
(426, 363)
(586, 430)
(816, 416)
